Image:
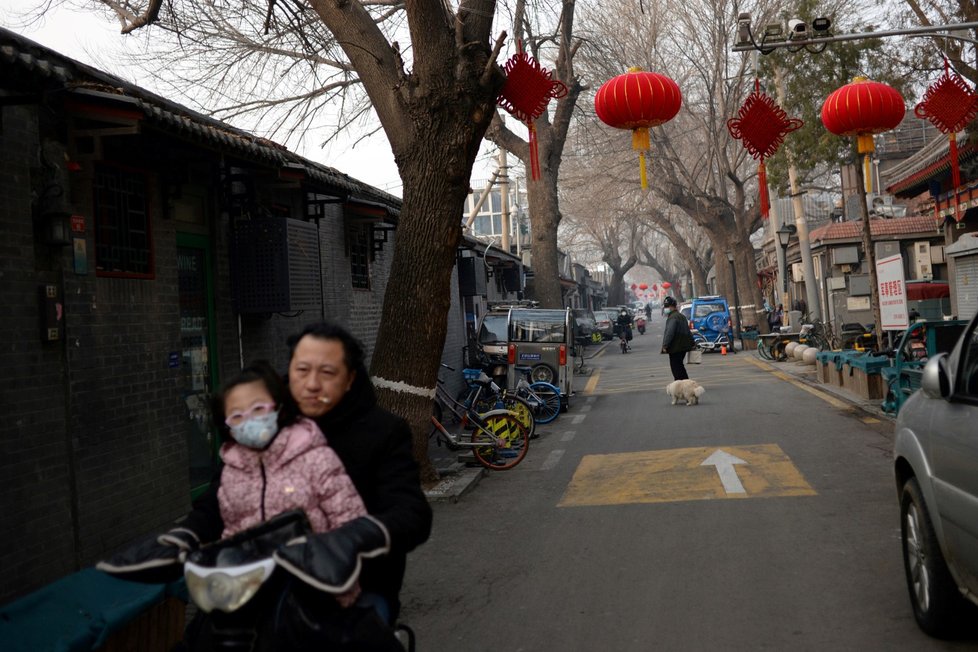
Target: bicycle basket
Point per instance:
(471, 375)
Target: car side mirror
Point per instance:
(936, 379)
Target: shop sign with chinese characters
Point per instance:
(893, 293)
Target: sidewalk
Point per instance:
(457, 478)
(808, 375)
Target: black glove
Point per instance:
(154, 559)
(330, 561)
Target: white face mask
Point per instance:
(257, 432)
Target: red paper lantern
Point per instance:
(862, 109)
(643, 286)
(638, 100)
(666, 285)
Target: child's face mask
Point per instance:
(257, 432)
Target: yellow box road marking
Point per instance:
(679, 475)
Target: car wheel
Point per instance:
(937, 603)
(542, 373)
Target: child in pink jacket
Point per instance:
(276, 460)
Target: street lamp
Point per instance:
(733, 273)
(784, 236)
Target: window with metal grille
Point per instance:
(360, 249)
(123, 246)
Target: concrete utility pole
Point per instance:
(504, 197)
(801, 223)
(774, 223)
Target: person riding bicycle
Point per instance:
(624, 325)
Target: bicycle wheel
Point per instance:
(546, 398)
(505, 442)
(520, 408)
(517, 405)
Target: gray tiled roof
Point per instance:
(54, 71)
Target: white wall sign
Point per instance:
(893, 293)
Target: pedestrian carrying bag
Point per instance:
(695, 356)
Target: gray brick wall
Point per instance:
(35, 500)
(93, 453)
(93, 450)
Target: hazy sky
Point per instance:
(90, 37)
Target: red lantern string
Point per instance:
(949, 104)
(762, 126)
(525, 95)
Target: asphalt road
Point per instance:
(614, 535)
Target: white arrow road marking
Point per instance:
(725, 462)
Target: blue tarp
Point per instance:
(78, 612)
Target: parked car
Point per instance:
(605, 323)
(935, 455)
(685, 309)
(710, 316)
(584, 323)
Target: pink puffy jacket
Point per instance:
(297, 471)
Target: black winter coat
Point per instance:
(677, 337)
(375, 447)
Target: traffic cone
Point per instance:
(723, 349)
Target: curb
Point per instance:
(456, 481)
(868, 407)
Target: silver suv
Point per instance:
(936, 464)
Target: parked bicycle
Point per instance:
(543, 398)
(485, 397)
(497, 439)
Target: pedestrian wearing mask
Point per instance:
(677, 340)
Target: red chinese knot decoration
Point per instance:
(949, 104)
(862, 109)
(761, 126)
(638, 100)
(528, 89)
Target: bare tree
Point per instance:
(697, 166)
(434, 109)
(691, 248)
(542, 193)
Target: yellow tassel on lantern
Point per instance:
(866, 146)
(640, 142)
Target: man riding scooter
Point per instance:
(623, 326)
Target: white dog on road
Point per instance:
(685, 390)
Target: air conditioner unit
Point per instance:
(922, 261)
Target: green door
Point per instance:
(198, 371)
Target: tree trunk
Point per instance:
(412, 331)
(544, 218)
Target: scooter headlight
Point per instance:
(226, 589)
